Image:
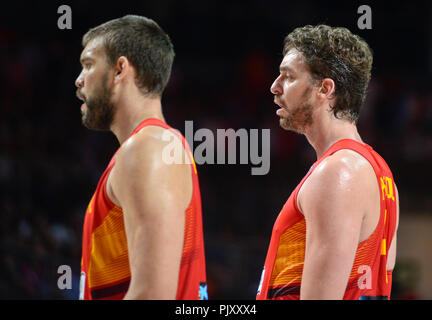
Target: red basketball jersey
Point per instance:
(369, 279)
(105, 272)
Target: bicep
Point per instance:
(333, 223)
(154, 229)
(153, 203)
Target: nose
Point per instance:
(276, 88)
(79, 82)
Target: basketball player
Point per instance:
(335, 237)
(143, 236)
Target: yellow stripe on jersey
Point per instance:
(383, 247)
(288, 265)
(109, 256)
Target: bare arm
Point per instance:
(332, 201)
(154, 196)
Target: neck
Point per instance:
(130, 114)
(328, 130)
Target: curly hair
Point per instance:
(338, 54)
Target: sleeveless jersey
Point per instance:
(369, 278)
(105, 272)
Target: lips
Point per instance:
(281, 111)
(275, 100)
(80, 96)
(84, 105)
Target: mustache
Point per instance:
(277, 101)
(80, 95)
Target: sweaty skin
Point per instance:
(154, 197)
(338, 217)
(341, 199)
(152, 193)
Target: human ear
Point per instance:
(121, 69)
(327, 88)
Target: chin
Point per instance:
(287, 125)
(87, 122)
(284, 124)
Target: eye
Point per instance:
(285, 76)
(289, 77)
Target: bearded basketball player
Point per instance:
(335, 237)
(142, 236)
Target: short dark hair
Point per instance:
(143, 43)
(338, 54)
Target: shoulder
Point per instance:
(148, 148)
(346, 164)
(342, 178)
(144, 171)
(145, 158)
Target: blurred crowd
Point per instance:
(50, 164)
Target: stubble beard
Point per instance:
(301, 117)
